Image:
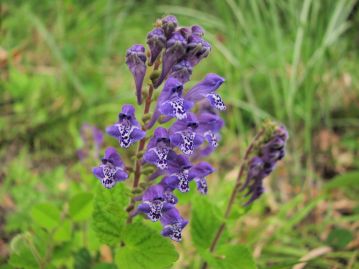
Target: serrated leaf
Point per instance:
(46, 216)
(204, 223)
(80, 206)
(232, 257)
(145, 248)
(109, 215)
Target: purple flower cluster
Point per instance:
(176, 151)
(260, 166)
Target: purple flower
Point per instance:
(111, 170)
(205, 89)
(127, 130)
(136, 62)
(173, 224)
(185, 135)
(158, 148)
(154, 203)
(199, 173)
(178, 173)
(209, 126)
(156, 41)
(170, 102)
(169, 24)
(175, 50)
(197, 49)
(182, 71)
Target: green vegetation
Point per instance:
(62, 65)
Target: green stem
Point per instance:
(233, 196)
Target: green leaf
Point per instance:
(109, 215)
(105, 266)
(228, 257)
(339, 238)
(81, 206)
(145, 248)
(46, 216)
(350, 179)
(82, 259)
(204, 223)
(63, 232)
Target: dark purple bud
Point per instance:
(127, 130)
(156, 41)
(175, 50)
(169, 25)
(197, 30)
(136, 62)
(205, 89)
(197, 49)
(182, 71)
(173, 224)
(111, 170)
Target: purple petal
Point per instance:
(216, 101)
(156, 41)
(208, 85)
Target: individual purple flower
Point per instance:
(158, 148)
(169, 24)
(205, 89)
(111, 170)
(182, 71)
(197, 49)
(209, 126)
(170, 102)
(199, 173)
(154, 203)
(156, 41)
(136, 62)
(178, 173)
(173, 224)
(184, 134)
(127, 130)
(175, 50)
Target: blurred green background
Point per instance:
(62, 65)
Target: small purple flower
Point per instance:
(178, 173)
(185, 135)
(182, 71)
(154, 203)
(199, 173)
(127, 130)
(206, 89)
(175, 50)
(173, 224)
(136, 62)
(111, 170)
(169, 24)
(158, 149)
(156, 41)
(209, 126)
(170, 102)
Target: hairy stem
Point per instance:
(233, 196)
